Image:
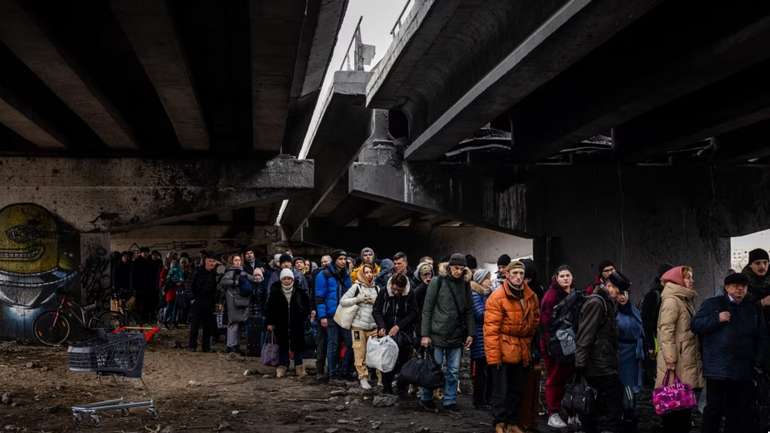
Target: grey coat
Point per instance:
(232, 284)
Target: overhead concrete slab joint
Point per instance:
(409, 27)
(546, 30)
(20, 31)
(134, 173)
(464, 195)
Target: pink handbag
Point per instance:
(673, 397)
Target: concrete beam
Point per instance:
(111, 194)
(456, 192)
(574, 30)
(745, 145)
(318, 38)
(275, 29)
(597, 101)
(334, 148)
(22, 33)
(735, 103)
(151, 31)
(25, 123)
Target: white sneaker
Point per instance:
(555, 421)
(365, 384)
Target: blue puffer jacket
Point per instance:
(479, 295)
(328, 291)
(730, 349)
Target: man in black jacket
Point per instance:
(734, 338)
(204, 295)
(596, 357)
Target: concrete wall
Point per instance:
(641, 217)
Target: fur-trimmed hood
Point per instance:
(443, 271)
(481, 290)
(406, 291)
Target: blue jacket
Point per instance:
(731, 349)
(630, 346)
(479, 306)
(328, 291)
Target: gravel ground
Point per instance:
(205, 392)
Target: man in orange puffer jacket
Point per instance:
(510, 321)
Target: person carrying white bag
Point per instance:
(355, 313)
(396, 312)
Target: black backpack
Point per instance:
(562, 344)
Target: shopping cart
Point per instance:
(117, 355)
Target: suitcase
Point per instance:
(530, 402)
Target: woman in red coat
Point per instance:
(558, 373)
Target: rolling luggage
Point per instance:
(530, 402)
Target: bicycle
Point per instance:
(53, 327)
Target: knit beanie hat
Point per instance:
(367, 250)
(471, 261)
(504, 260)
(515, 265)
(287, 273)
(457, 259)
(337, 253)
(758, 254)
(603, 264)
(480, 275)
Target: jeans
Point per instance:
(169, 313)
(334, 332)
(450, 355)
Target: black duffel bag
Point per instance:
(422, 371)
(579, 397)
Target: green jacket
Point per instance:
(447, 315)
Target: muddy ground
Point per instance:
(207, 392)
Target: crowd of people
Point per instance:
(512, 326)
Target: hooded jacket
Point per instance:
(479, 296)
(447, 315)
(364, 316)
(391, 309)
(330, 285)
(678, 344)
(509, 325)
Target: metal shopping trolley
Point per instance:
(108, 354)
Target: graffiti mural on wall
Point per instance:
(38, 258)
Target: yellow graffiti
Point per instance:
(29, 240)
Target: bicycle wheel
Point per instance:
(110, 320)
(52, 328)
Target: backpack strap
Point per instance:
(454, 299)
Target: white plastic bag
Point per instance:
(381, 353)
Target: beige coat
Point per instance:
(677, 342)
